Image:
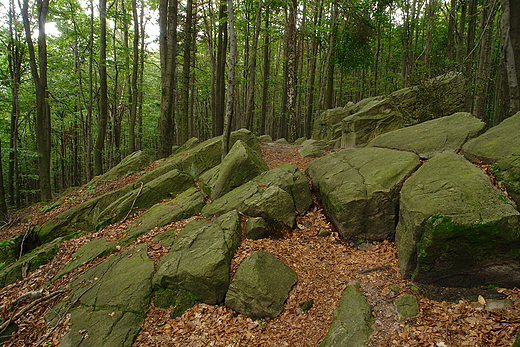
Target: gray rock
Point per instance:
(359, 189)
(185, 205)
(191, 143)
(282, 141)
(352, 324)
(112, 298)
(132, 163)
(446, 134)
(455, 228)
(507, 171)
(328, 125)
(321, 144)
(265, 138)
(494, 304)
(310, 151)
(239, 166)
(200, 257)
(257, 228)
(300, 140)
(407, 306)
(272, 203)
(260, 286)
(179, 300)
(496, 144)
(146, 195)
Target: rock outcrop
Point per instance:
(359, 189)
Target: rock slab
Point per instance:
(260, 286)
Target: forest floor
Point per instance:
(324, 263)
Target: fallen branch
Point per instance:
(133, 203)
(30, 229)
(27, 307)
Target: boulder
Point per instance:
(321, 144)
(310, 151)
(407, 306)
(455, 228)
(239, 166)
(132, 163)
(282, 141)
(179, 300)
(359, 189)
(112, 298)
(146, 195)
(93, 249)
(299, 141)
(186, 146)
(496, 144)
(352, 323)
(438, 97)
(507, 171)
(185, 205)
(29, 262)
(199, 260)
(257, 228)
(328, 125)
(265, 138)
(446, 134)
(259, 198)
(261, 286)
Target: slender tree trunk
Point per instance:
(508, 57)
(3, 204)
(325, 99)
(186, 73)
(39, 73)
(231, 79)
(219, 109)
(266, 68)
(252, 68)
(103, 91)
(452, 24)
(291, 73)
(134, 90)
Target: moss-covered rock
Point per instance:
(352, 324)
(455, 228)
(310, 151)
(407, 305)
(496, 144)
(260, 286)
(132, 163)
(199, 260)
(112, 299)
(441, 135)
(257, 228)
(179, 300)
(359, 189)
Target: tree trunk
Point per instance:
(252, 68)
(134, 91)
(103, 91)
(508, 56)
(231, 79)
(39, 73)
(168, 53)
(3, 204)
(267, 71)
(186, 73)
(218, 111)
(291, 73)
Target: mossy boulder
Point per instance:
(257, 228)
(239, 166)
(446, 134)
(328, 125)
(310, 151)
(496, 144)
(455, 228)
(261, 286)
(146, 195)
(112, 299)
(186, 146)
(179, 300)
(185, 205)
(200, 257)
(407, 306)
(29, 262)
(352, 324)
(507, 170)
(132, 163)
(359, 189)
(89, 251)
(10, 250)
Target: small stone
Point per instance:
(323, 232)
(493, 304)
(407, 306)
(306, 305)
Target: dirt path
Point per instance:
(324, 265)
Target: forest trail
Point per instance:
(324, 265)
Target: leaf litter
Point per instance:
(324, 263)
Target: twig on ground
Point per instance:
(133, 203)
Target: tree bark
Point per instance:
(103, 91)
(3, 204)
(267, 71)
(39, 73)
(291, 73)
(231, 79)
(186, 73)
(508, 56)
(219, 107)
(134, 90)
(252, 68)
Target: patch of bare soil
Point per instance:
(324, 265)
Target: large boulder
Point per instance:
(275, 195)
(455, 228)
(199, 259)
(328, 125)
(446, 134)
(260, 286)
(111, 300)
(438, 97)
(352, 324)
(507, 170)
(496, 144)
(146, 195)
(239, 166)
(185, 205)
(132, 163)
(359, 189)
